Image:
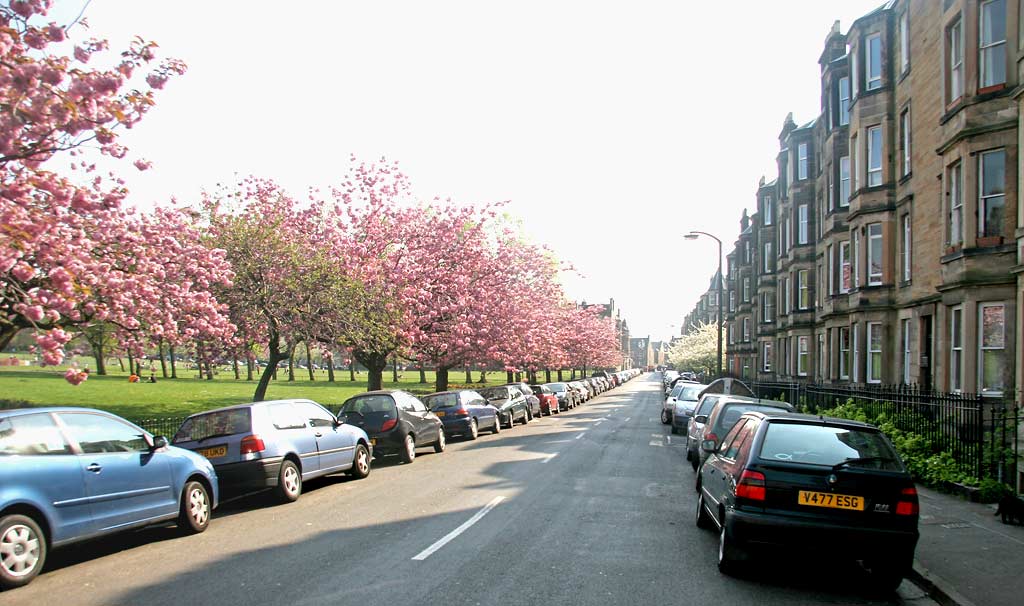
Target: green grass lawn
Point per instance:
(188, 394)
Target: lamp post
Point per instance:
(693, 235)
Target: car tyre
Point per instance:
(497, 424)
(474, 430)
(408, 453)
(689, 455)
(360, 463)
(441, 442)
(526, 417)
(665, 420)
(22, 538)
(194, 514)
(511, 419)
(289, 482)
(694, 460)
(675, 430)
(729, 555)
(703, 519)
(886, 574)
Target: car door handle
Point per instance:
(94, 467)
(318, 434)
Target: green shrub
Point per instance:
(991, 490)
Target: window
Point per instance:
(746, 330)
(801, 171)
(786, 294)
(956, 205)
(905, 331)
(991, 193)
(769, 308)
(874, 62)
(746, 289)
(844, 181)
(855, 269)
(846, 271)
(830, 256)
(874, 254)
(905, 141)
(874, 156)
(789, 233)
(856, 354)
(830, 189)
(32, 434)
(853, 71)
(844, 353)
(767, 257)
(821, 356)
(905, 41)
(992, 43)
(856, 162)
(874, 361)
(732, 300)
(801, 356)
(955, 54)
(991, 347)
(102, 434)
(802, 230)
(956, 350)
(844, 101)
(766, 356)
(768, 210)
(803, 288)
(907, 240)
(746, 252)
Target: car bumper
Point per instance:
(388, 443)
(457, 425)
(246, 476)
(680, 421)
(761, 531)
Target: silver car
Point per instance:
(685, 402)
(696, 427)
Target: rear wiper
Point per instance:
(216, 435)
(846, 462)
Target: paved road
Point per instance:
(593, 506)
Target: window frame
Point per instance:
(982, 348)
(874, 171)
(844, 102)
(995, 47)
(875, 241)
(802, 355)
(803, 228)
(844, 353)
(956, 349)
(766, 356)
(955, 60)
(801, 161)
(905, 141)
(955, 196)
(873, 72)
(768, 211)
(844, 197)
(905, 330)
(984, 200)
(803, 289)
(873, 362)
(908, 246)
(845, 268)
(904, 29)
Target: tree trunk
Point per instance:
(441, 378)
(291, 365)
(483, 377)
(559, 375)
(352, 371)
(209, 370)
(275, 357)
(131, 364)
(174, 363)
(101, 363)
(547, 375)
(330, 369)
(469, 376)
(234, 365)
(248, 368)
(163, 360)
(510, 376)
(7, 333)
(394, 369)
(309, 363)
(423, 375)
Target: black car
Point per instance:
(816, 486)
(395, 421)
(531, 399)
(510, 402)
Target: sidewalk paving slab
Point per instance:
(966, 556)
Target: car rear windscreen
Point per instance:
(690, 392)
(441, 400)
(216, 423)
(828, 445)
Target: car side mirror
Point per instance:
(708, 446)
(700, 419)
(158, 443)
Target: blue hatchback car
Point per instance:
(71, 474)
(463, 412)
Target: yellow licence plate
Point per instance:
(828, 499)
(440, 413)
(373, 441)
(213, 453)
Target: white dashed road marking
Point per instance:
(461, 529)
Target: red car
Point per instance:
(548, 399)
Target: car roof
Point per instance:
(48, 409)
(252, 404)
(807, 419)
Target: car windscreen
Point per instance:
(828, 445)
(366, 405)
(732, 413)
(690, 393)
(556, 386)
(441, 400)
(218, 423)
(494, 393)
(678, 389)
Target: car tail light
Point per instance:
(908, 505)
(462, 412)
(251, 444)
(389, 424)
(711, 436)
(751, 485)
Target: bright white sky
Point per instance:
(613, 127)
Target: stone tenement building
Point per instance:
(888, 249)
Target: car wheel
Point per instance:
(22, 550)
(886, 573)
(441, 441)
(665, 420)
(728, 553)
(497, 424)
(474, 430)
(703, 519)
(511, 420)
(526, 417)
(409, 449)
(194, 515)
(689, 455)
(360, 463)
(675, 430)
(289, 482)
(529, 414)
(694, 460)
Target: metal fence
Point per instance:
(980, 433)
(162, 426)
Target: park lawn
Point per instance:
(36, 386)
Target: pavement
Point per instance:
(966, 556)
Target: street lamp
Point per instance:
(693, 235)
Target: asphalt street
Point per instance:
(592, 506)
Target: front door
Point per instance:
(125, 481)
(926, 353)
(335, 445)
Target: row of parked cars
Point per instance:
(70, 474)
(771, 481)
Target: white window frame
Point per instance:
(954, 191)
(766, 356)
(956, 349)
(844, 353)
(855, 258)
(802, 355)
(856, 352)
(875, 249)
(845, 283)
(767, 257)
(875, 152)
(768, 211)
(820, 370)
(831, 269)
(855, 164)
(905, 139)
(746, 330)
(955, 41)
(873, 71)
(991, 53)
(803, 214)
(854, 76)
(844, 181)
(803, 289)
(769, 308)
(908, 242)
(994, 346)
(905, 333)
(831, 189)
(746, 289)
(801, 161)
(873, 341)
(844, 101)
(732, 300)
(985, 200)
(905, 41)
